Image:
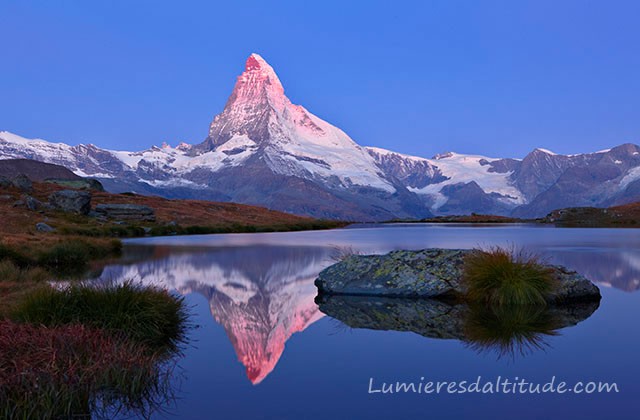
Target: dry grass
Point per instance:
(341, 253)
(500, 276)
(173, 217)
(72, 371)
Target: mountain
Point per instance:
(264, 150)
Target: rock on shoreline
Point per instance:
(126, 212)
(429, 273)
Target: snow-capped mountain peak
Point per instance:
(261, 122)
(262, 149)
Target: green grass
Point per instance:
(133, 231)
(146, 315)
(17, 258)
(500, 276)
(73, 257)
(9, 272)
(68, 258)
(113, 231)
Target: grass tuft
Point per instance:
(70, 257)
(500, 276)
(73, 257)
(9, 272)
(146, 315)
(341, 253)
(17, 258)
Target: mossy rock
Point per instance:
(429, 273)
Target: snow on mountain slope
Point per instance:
(174, 162)
(463, 169)
(451, 169)
(294, 142)
(264, 150)
(632, 175)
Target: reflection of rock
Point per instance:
(507, 330)
(430, 273)
(260, 295)
(427, 317)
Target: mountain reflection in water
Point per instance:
(619, 269)
(262, 294)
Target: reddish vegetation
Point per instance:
(183, 212)
(18, 223)
(61, 371)
(627, 215)
(472, 218)
(628, 211)
(68, 353)
(202, 213)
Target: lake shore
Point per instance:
(625, 216)
(109, 328)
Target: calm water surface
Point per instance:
(263, 348)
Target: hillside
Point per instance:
(627, 215)
(35, 170)
(21, 211)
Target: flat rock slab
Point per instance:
(126, 212)
(429, 273)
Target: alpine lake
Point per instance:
(262, 348)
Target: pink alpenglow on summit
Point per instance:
(264, 150)
(261, 297)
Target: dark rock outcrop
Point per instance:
(430, 273)
(71, 201)
(5, 182)
(470, 198)
(22, 182)
(79, 184)
(32, 203)
(43, 227)
(126, 212)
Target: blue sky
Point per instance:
(493, 77)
